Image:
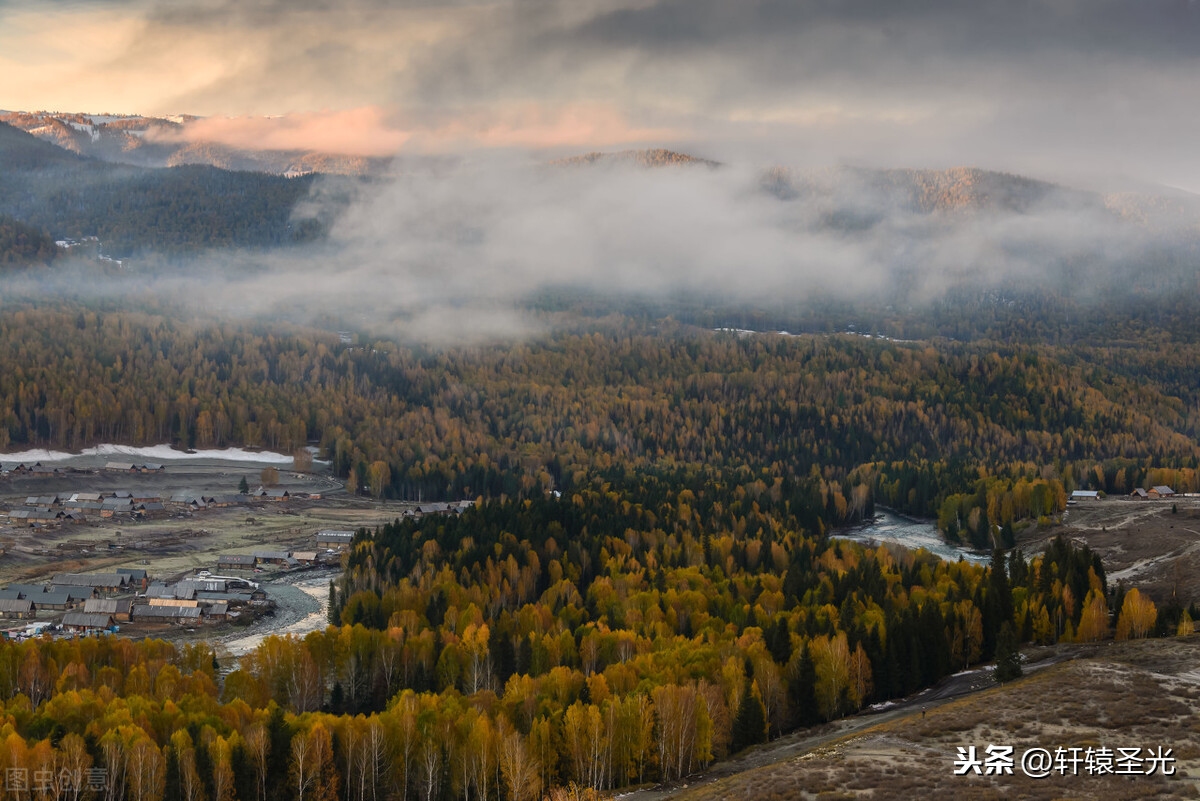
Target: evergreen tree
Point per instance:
(781, 641)
(171, 787)
(751, 620)
(280, 734)
(750, 725)
(204, 764)
(243, 772)
(335, 611)
(935, 650)
(337, 699)
(243, 486)
(524, 656)
(997, 603)
(802, 692)
(1008, 658)
(503, 655)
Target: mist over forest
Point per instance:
(489, 247)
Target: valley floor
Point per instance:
(1142, 543)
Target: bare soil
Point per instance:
(181, 541)
(1141, 543)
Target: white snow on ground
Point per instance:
(747, 332)
(157, 453)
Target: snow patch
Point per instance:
(969, 672)
(879, 336)
(745, 332)
(158, 453)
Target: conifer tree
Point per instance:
(750, 725)
(781, 641)
(802, 690)
(1008, 658)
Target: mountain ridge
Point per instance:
(157, 141)
(145, 141)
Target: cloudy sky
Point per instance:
(1061, 87)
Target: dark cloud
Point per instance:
(1049, 86)
(1156, 29)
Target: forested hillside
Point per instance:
(22, 244)
(167, 142)
(137, 210)
(625, 633)
(1009, 429)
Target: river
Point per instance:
(302, 606)
(911, 533)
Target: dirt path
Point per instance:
(1126, 514)
(1152, 544)
(1130, 574)
(798, 743)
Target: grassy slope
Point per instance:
(1135, 694)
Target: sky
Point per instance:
(1103, 87)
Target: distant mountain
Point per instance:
(20, 150)
(289, 163)
(657, 157)
(923, 191)
(1176, 210)
(162, 142)
(81, 175)
(862, 195)
(913, 190)
(140, 210)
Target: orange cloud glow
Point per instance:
(374, 131)
(353, 132)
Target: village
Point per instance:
(84, 603)
(135, 549)
(1157, 493)
(131, 600)
(57, 509)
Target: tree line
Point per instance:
(608, 638)
(910, 425)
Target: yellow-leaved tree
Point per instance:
(1138, 616)
(1093, 623)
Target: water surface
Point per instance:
(911, 533)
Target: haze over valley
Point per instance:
(636, 399)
